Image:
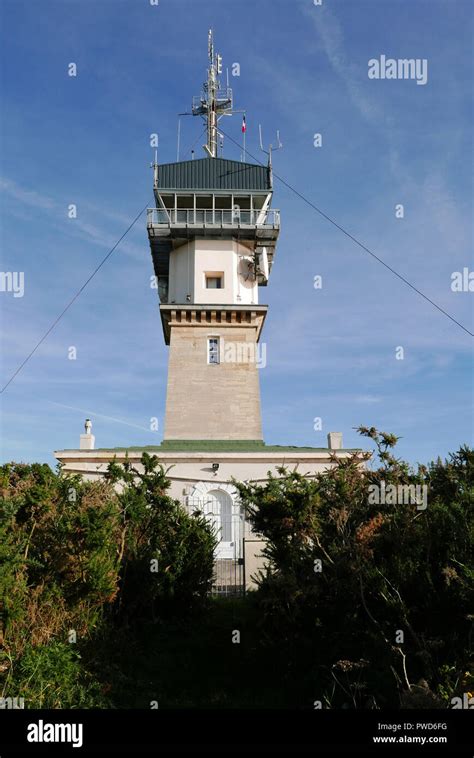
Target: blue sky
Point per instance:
(330, 352)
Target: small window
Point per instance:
(213, 350)
(214, 281)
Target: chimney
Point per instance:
(87, 440)
(335, 440)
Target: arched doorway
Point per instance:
(220, 504)
(220, 508)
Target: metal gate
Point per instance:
(228, 521)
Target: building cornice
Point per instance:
(211, 314)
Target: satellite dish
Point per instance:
(264, 264)
(246, 268)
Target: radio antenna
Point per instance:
(178, 140)
(214, 101)
(268, 152)
(154, 166)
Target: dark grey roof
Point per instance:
(213, 174)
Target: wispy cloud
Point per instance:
(78, 227)
(25, 196)
(331, 36)
(94, 414)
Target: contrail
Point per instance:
(101, 415)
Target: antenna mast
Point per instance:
(269, 151)
(214, 101)
(154, 166)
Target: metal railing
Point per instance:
(223, 97)
(197, 217)
(229, 571)
(228, 577)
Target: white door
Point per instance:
(220, 508)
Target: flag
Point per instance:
(244, 126)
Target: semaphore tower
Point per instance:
(212, 235)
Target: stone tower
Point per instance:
(212, 236)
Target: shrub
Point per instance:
(76, 561)
(167, 555)
(385, 569)
(52, 676)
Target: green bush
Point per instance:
(345, 575)
(119, 566)
(77, 560)
(167, 554)
(59, 563)
(52, 676)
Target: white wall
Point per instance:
(190, 263)
(192, 467)
(181, 276)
